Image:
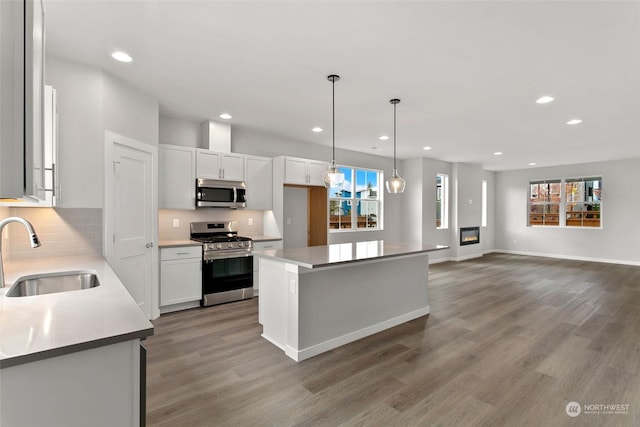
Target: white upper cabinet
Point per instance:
(259, 181)
(177, 177)
(215, 165)
(304, 171)
(315, 170)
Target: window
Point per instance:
(579, 198)
(484, 203)
(582, 202)
(442, 201)
(357, 205)
(544, 203)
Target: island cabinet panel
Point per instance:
(99, 387)
(307, 311)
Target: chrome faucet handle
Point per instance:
(33, 237)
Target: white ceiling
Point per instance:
(467, 73)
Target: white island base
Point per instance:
(307, 311)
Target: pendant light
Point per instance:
(396, 183)
(332, 177)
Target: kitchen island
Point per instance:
(314, 299)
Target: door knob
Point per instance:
(149, 245)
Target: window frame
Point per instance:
(443, 210)
(563, 203)
(354, 201)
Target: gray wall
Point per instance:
(617, 241)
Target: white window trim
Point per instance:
(563, 203)
(444, 218)
(354, 218)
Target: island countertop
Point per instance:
(43, 326)
(344, 253)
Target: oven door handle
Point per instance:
(226, 255)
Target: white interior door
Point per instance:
(131, 217)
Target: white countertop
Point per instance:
(344, 253)
(42, 326)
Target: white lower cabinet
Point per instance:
(180, 278)
(261, 246)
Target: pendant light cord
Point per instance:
(333, 110)
(395, 102)
(394, 137)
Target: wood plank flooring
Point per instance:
(510, 341)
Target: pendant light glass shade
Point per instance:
(396, 183)
(332, 177)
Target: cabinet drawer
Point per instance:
(181, 252)
(261, 246)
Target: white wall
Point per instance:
(80, 131)
(90, 102)
(466, 181)
(129, 111)
(180, 132)
(617, 241)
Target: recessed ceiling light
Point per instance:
(426, 147)
(121, 56)
(532, 164)
(574, 122)
(498, 153)
(317, 129)
(225, 116)
(383, 138)
(544, 99)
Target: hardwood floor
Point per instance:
(510, 341)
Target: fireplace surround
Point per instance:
(469, 235)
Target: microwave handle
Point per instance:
(235, 194)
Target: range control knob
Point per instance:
(240, 244)
(230, 245)
(218, 246)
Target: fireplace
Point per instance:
(469, 235)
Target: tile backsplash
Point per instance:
(62, 233)
(241, 218)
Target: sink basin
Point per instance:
(51, 283)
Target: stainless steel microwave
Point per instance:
(214, 193)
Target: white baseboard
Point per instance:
(569, 257)
(306, 353)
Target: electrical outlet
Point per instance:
(288, 221)
(176, 223)
(470, 201)
(250, 220)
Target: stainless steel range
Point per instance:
(227, 267)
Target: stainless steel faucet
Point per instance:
(33, 237)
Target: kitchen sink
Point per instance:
(51, 283)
